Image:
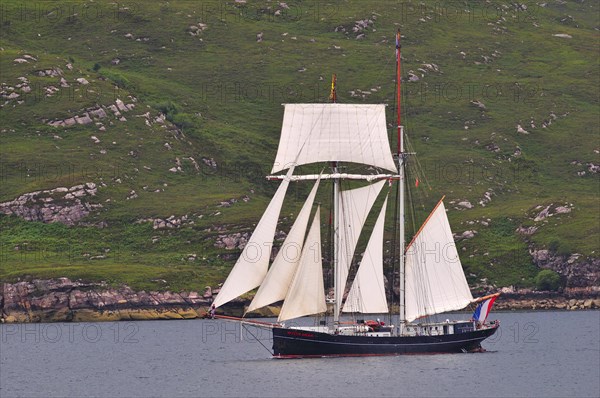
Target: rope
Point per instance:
(256, 338)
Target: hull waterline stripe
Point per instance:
(383, 344)
(392, 354)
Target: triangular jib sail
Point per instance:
(251, 267)
(277, 282)
(434, 279)
(307, 291)
(367, 294)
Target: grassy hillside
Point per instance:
(217, 72)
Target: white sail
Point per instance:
(252, 265)
(367, 294)
(277, 282)
(354, 208)
(434, 279)
(306, 295)
(334, 132)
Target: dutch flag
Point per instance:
(483, 309)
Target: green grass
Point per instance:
(222, 92)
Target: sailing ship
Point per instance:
(431, 279)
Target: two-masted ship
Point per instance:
(431, 279)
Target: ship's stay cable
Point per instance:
(416, 165)
(257, 339)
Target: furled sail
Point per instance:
(355, 206)
(334, 132)
(252, 265)
(434, 279)
(277, 282)
(306, 295)
(367, 294)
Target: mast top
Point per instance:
(400, 147)
(333, 93)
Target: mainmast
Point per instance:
(336, 224)
(401, 159)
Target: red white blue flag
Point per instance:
(483, 309)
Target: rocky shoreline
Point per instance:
(63, 300)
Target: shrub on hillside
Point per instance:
(547, 279)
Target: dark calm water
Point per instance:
(552, 354)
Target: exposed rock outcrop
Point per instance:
(579, 272)
(63, 300)
(465, 204)
(63, 205)
(527, 231)
(573, 299)
(95, 113)
(196, 30)
(487, 197)
(465, 235)
(232, 241)
(238, 240)
(359, 28)
(551, 210)
(167, 223)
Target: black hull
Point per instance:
(296, 343)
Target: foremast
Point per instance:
(336, 247)
(337, 304)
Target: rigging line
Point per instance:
(257, 339)
(417, 164)
(411, 207)
(385, 67)
(411, 213)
